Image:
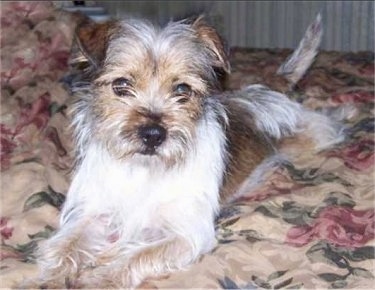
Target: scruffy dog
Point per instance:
(160, 146)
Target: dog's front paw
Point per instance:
(57, 271)
(59, 264)
(104, 277)
(37, 283)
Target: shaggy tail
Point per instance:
(291, 128)
(286, 121)
(294, 68)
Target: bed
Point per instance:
(309, 225)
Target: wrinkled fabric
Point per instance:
(309, 225)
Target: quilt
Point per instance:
(309, 225)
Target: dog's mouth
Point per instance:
(149, 151)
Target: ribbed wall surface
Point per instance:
(348, 25)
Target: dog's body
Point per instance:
(160, 146)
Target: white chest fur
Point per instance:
(135, 198)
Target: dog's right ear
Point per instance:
(90, 42)
(214, 42)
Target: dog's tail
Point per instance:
(296, 65)
(292, 130)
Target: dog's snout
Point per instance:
(152, 135)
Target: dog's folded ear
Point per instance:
(90, 42)
(212, 40)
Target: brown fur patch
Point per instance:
(155, 62)
(92, 39)
(119, 118)
(246, 150)
(300, 144)
(213, 41)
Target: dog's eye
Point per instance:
(182, 90)
(122, 87)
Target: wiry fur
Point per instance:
(302, 58)
(149, 53)
(139, 217)
(130, 215)
(273, 113)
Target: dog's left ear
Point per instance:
(91, 40)
(214, 42)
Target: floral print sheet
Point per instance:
(309, 225)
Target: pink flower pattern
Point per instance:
(5, 230)
(358, 156)
(342, 226)
(37, 114)
(34, 49)
(354, 97)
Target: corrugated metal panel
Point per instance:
(348, 25)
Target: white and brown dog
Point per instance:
(160, 146)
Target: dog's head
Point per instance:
(142, 89)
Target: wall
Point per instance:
(348, 25)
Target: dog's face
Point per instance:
(148, 86)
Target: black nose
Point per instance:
(152, 135)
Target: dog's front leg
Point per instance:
(61, 258)
(148, 262)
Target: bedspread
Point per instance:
(309, 225)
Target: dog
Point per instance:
(161, 145)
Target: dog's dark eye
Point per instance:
(183, 91)
(122, 87)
